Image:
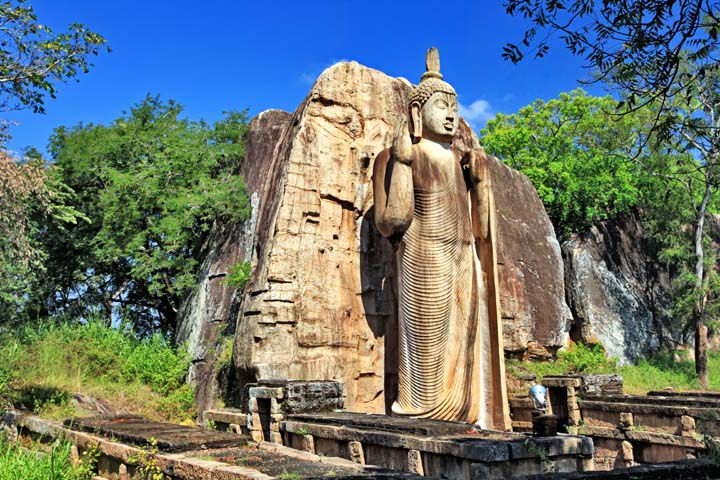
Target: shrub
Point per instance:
(238, 275)
(581, 358)
(155, 362)
(32, 463)
(145, 375)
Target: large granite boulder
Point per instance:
(530, 266)
(210, 310)
(617, 289)
(320, 304)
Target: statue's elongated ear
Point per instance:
(416, 117)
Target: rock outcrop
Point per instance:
(532, 297)
(320, 303)
(209, 312)
(617, 290)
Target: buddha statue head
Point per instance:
(433, 104)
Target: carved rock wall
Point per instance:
(210, 310)
(320, 304)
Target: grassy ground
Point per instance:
(41, 368)
(33, 462)
(655, 373)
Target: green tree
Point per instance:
(151, 183)
(34, 59)
(694, 118)
(589, 164)
(575, 152)
(636, 45)
(31, 197)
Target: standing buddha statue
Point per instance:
(438, 209)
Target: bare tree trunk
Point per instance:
(701, 364)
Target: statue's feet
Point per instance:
(397, 409)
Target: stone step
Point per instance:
(168, 437)
(227, 416)
(386, 423)
(705, 394)
(679, 401)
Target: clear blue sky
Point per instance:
(217, 55)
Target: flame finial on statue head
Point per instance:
(431, 81)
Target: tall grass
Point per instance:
(578, 358)
(34, 463)
(663, 370)
(666, 370)
(50, 361)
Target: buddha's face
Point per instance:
(440, 117)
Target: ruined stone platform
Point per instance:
(387, 423)
(168, 437)
(435, 448)
(243, 461)
(701, 469)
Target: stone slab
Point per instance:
(685, 401)
(640, 408)
(685, 393)
(643, 436)
(406, 425)
(702, 469)
(226, 415)
(442, 438)
(169, 437)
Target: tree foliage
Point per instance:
(34, 58)
(151, 183)
(575, 152)
(636, 45)
(31, 196)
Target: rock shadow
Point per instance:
(379, 297)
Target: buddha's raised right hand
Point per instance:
(401, 150)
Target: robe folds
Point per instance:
(450, 349)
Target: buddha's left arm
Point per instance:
(477, 173)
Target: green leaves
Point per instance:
(151, 183)
(33, 58)
(239, 275)
(576, 153)
(635, 46)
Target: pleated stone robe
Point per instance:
(450, 355)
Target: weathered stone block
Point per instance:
(626, 420)
(414, 462)
(308, 443)
(601, 384)
(355, 452)
(266, 392)
(313, 396)
(254, 421)
(74, 456)
(687, 426)
(123, 472)
(627, 455)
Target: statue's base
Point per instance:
(435, 448)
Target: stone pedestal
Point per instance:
(268, 402)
